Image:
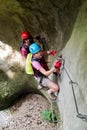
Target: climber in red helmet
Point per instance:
(28, 39)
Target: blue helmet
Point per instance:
(34, 48)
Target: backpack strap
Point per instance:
(37, 73)
(24, 46)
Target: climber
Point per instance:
(27, 40)
(41, 71)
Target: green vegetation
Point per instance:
(49, 116)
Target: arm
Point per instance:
(47, 52)
(24, 52)
(46, 73)
(52, 52)
(41, 69)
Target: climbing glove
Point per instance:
(53, 52)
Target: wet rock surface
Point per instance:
(26, 114)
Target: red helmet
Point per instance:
(25, 35)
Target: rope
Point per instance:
(79, 115)
(54, 121)
(71, 82)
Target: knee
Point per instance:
(57, 88)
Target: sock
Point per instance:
(56, 94)
(49, 92)
(39, 86)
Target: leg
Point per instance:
(53, 87)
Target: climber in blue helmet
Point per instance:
(41, 71)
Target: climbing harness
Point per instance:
(72, 83)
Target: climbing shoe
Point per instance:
(52, 96)
(40, 87)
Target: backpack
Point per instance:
(30, 69)
(28, 66)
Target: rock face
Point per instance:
(65, 30)
(18, 16)
(75, 63)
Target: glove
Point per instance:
(53, 52)
(58, 64)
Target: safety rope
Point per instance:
(52, 110)
(79, 115)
